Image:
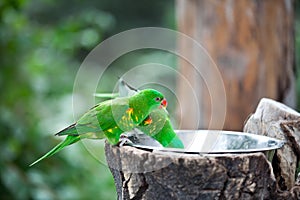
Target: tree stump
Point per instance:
(276, 120)
(142, 174)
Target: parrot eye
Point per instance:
(157, 99)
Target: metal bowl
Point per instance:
(211, 141)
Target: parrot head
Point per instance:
(144, 102)
(152, 98)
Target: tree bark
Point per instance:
(141, 174)
(251, 42)
(276, 120)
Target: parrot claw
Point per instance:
(124, 140)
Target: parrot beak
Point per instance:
(163, 103)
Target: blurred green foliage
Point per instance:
(42, 44)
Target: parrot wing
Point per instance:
(98, 119)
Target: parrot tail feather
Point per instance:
(68, 141)
(70, 130)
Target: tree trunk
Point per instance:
(240, 176)
(251, 42)
(141, 174)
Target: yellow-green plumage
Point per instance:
(161, 129)
(109, 119)
(157, 125)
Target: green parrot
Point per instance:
(157, 125)
(109, 119)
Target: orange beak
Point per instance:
(163, 103)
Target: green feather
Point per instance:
(176, 143)
(69, 140)
(109, 119)
(161, 129)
